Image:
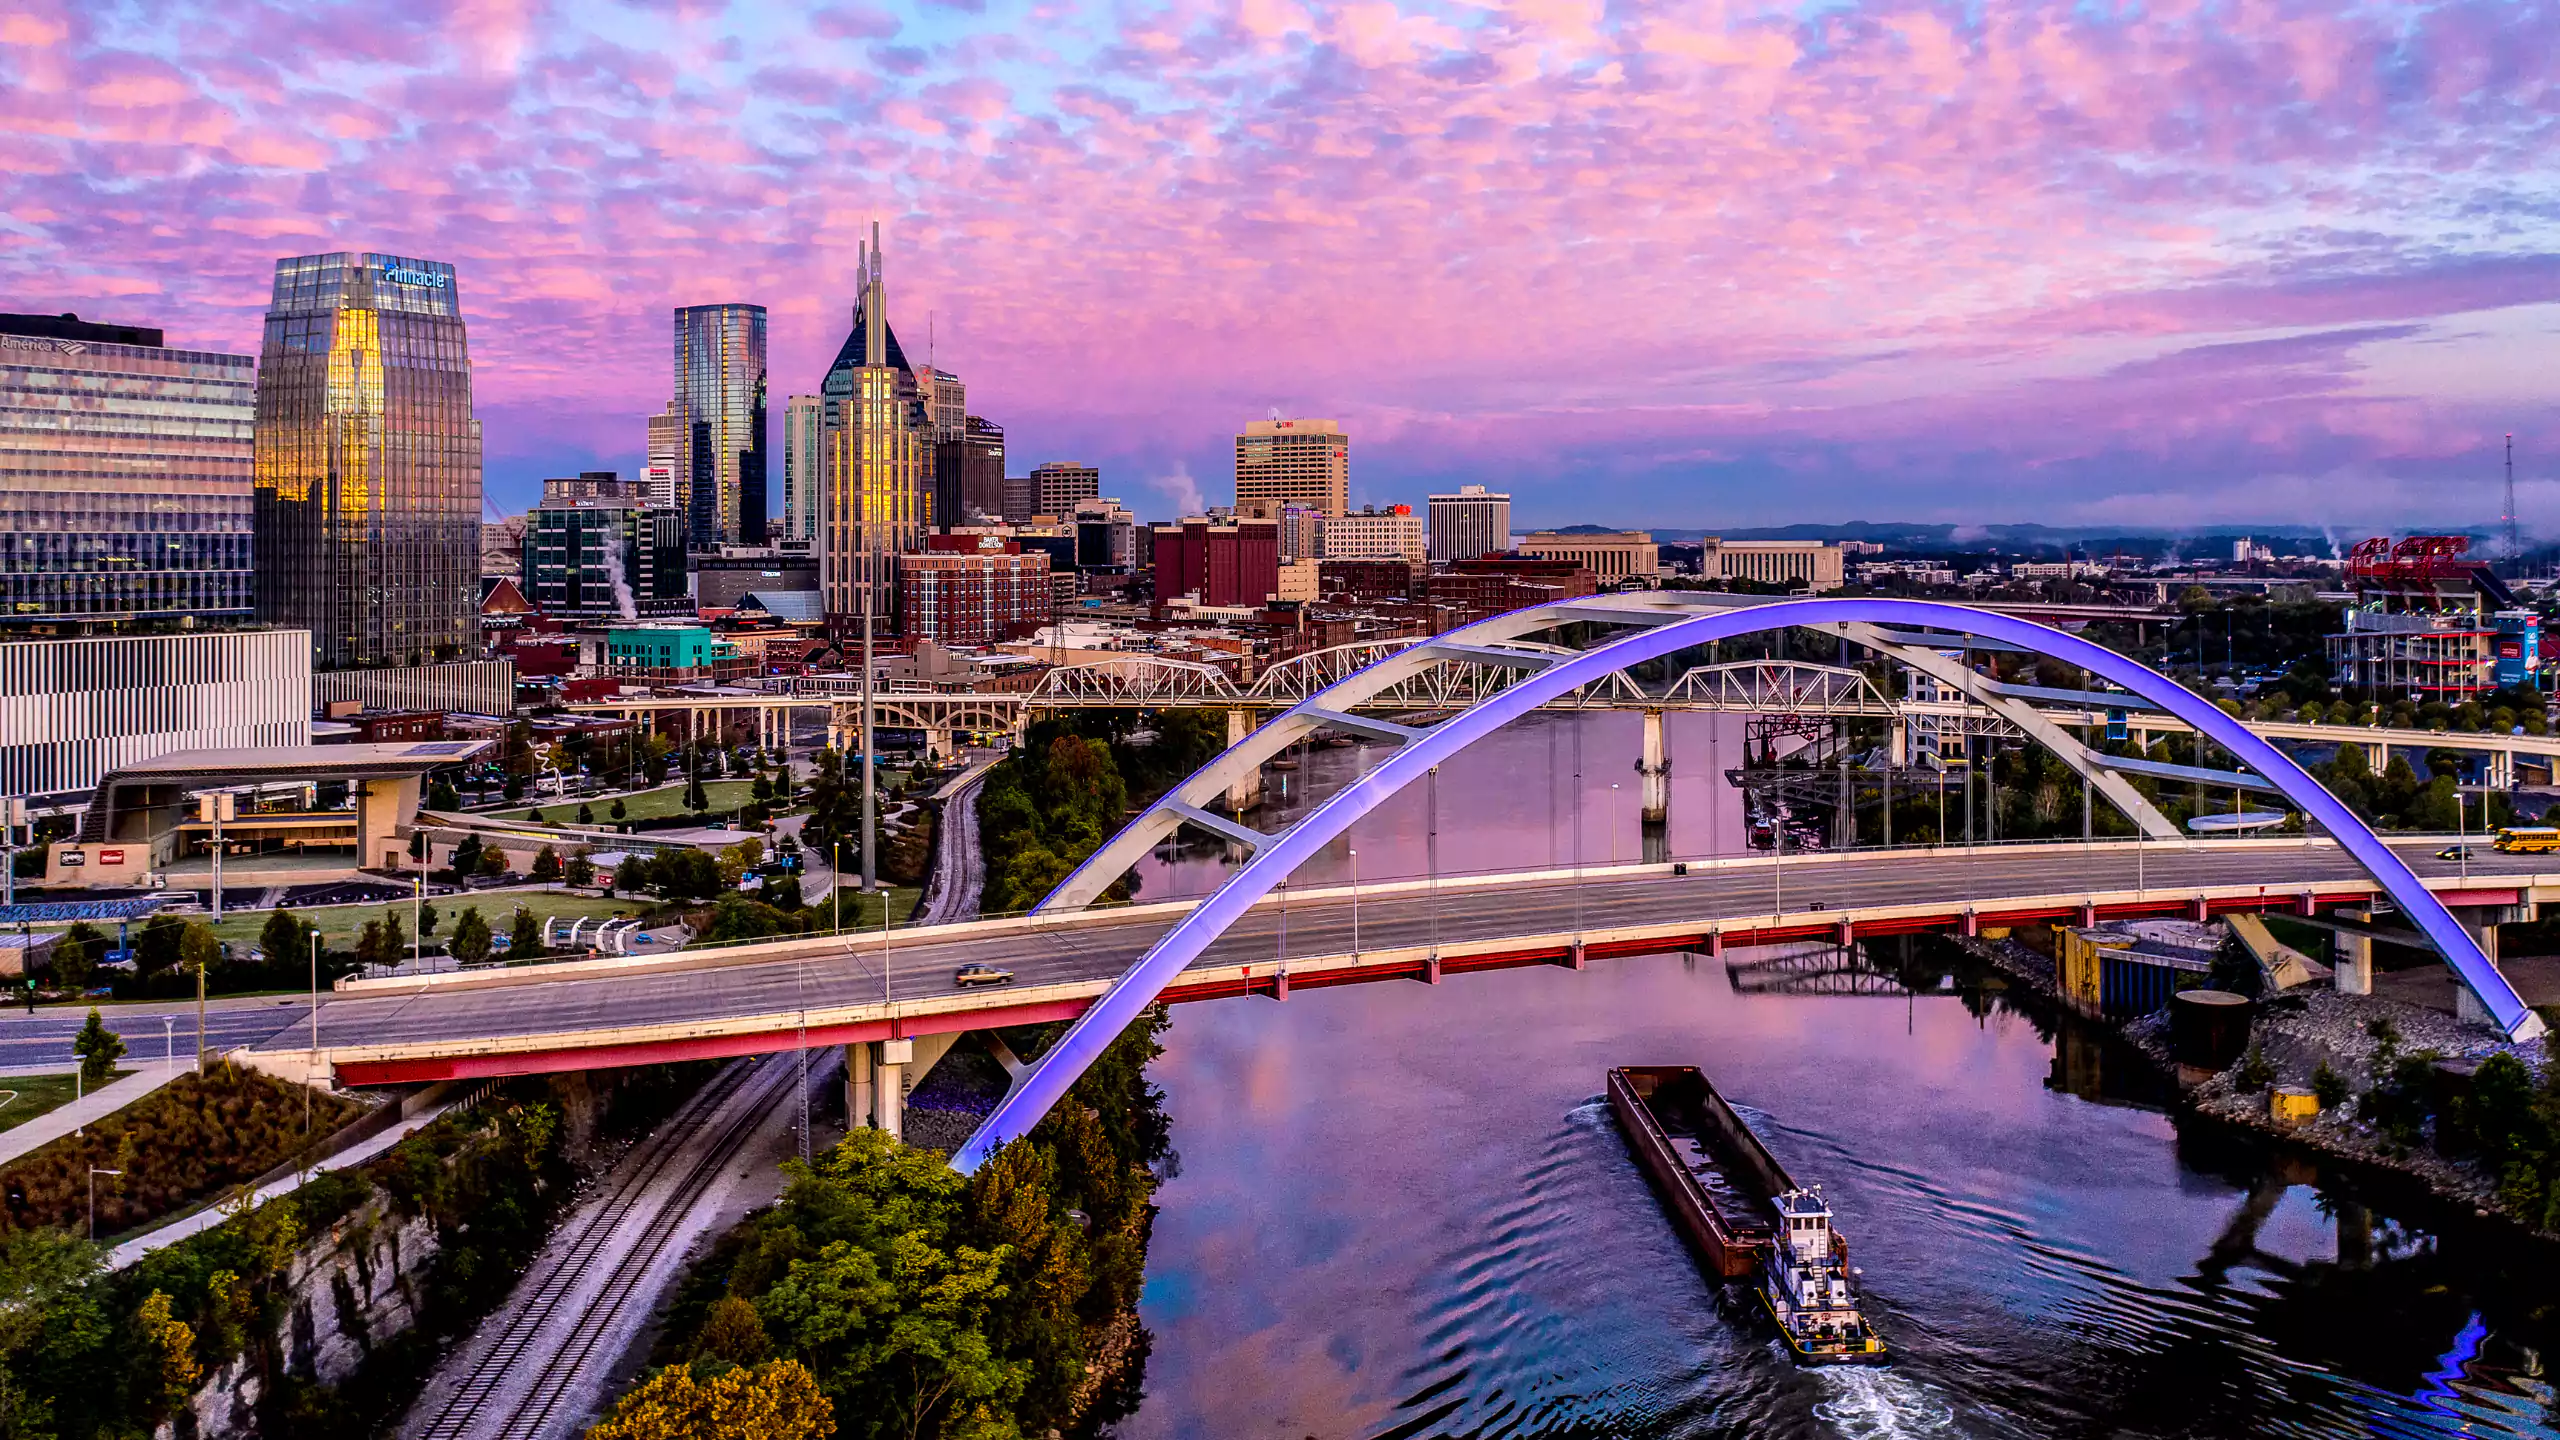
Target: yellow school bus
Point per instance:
(2532, 840)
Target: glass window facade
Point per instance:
(720, 397)
(605, 559)
(124, 482)
(368, 461)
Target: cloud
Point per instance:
(1682, 264)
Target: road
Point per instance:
(802, 976)
(537, 1369)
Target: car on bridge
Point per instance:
(976, 973)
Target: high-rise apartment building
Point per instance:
(666, 445)
(1472, 523)
(973, 590)
(879, 469)
(124, 476)
(597, 549)
(1292, 462)
(803, 462)
(1058, 487)
(968, 475)
(368, 461)
(720, 397)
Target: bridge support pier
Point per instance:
(889, 1086)
(2351, 963)
(1655, 767)
(937, 743)
(1246, 792)
(858, 1085)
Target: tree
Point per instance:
(546, 865)
(586, 814)
(738, 859)
(580, 871)
(419, 845)
(619, 810)
(761, 788)
(157, 947)
(493, 861)
(199, 951)
(427, 918)
(780, 1401)
(524, 939)
(471, 939)
(165, 1368)
(285, 939)
(466, 856)
(441, 795)
(535, 816)
(99, 1048)
(632, 876)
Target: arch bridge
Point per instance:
(1636, 629)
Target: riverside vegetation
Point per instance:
(887, 1295)
(1049, 804)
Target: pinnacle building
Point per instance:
(367, 474)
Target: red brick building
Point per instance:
(1222, 565)
(971, 590)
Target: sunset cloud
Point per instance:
(1650, 261)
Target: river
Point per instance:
(1404, 1211)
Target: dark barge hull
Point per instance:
(1650, 1101)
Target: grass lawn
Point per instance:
(658, 804)
(342, 923)
(36, 1094)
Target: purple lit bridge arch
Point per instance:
(1650, 625)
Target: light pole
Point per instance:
(94, 1173)
(1613, 822)
(168, 1042)
(312, 1073)
(835, 880)
(215, 808)
(1355, 906)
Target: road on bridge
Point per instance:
(776, 982)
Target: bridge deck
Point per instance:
(771, 996)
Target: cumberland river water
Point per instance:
(1404, 1210)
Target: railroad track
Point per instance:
(660, 1180)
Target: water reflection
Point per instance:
(1403, 1211)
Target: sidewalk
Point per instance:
(96, 1105)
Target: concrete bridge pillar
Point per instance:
(2482, 922)
(1655, 767)
(858, 1085)
(889, 1085)
(1246, 792)
(937, 742)
(2352, 964)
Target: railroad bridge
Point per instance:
(891, 999)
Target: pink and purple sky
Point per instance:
(1692, 264)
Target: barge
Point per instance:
(1746, 1218)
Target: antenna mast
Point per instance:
(2515, 543)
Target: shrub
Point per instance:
(2329, 1087)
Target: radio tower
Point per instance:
(2515, 544)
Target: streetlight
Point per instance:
(1613, 822)
(313, 1072)
(1355, 907)
(94, 1173)
(168, 1042)
(835, 879)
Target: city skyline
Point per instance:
(1895, 261)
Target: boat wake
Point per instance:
(1881, 1405)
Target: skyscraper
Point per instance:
(1470, 523)
(878, 440)
(124, 476)
(947, 403)
(720, 457)
(666, 440)
(1292, 462)
(1059, 485)
(803, 460)
(968, 475)
(368, 461)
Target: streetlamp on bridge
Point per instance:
(1355, 906)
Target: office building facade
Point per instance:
(968, 475)
(1222, 565)
(1292, 462)
(803, 463)
(367, 472)
(1469, 525)
(596, 549)
(946, 404)
(666, 443)
(879, 469)
(720, 404)
(1816, 565)
(1058, 487)
(124, 477)
(1611, 556)
(73, 709)
(1369, 533)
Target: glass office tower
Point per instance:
(720, 459)
(124, 478)
(368, 462)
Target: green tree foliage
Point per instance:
(158, 946)
(929, 1304)
(546, 865)
(442, 796)
(76, 955)
(493, 861)
(780, 1401)
(736, 917)
(524, 938)
(586, 814)
(580, 871)
(99, 1048)
(619, 810)
(471, 941)
(466, 856)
